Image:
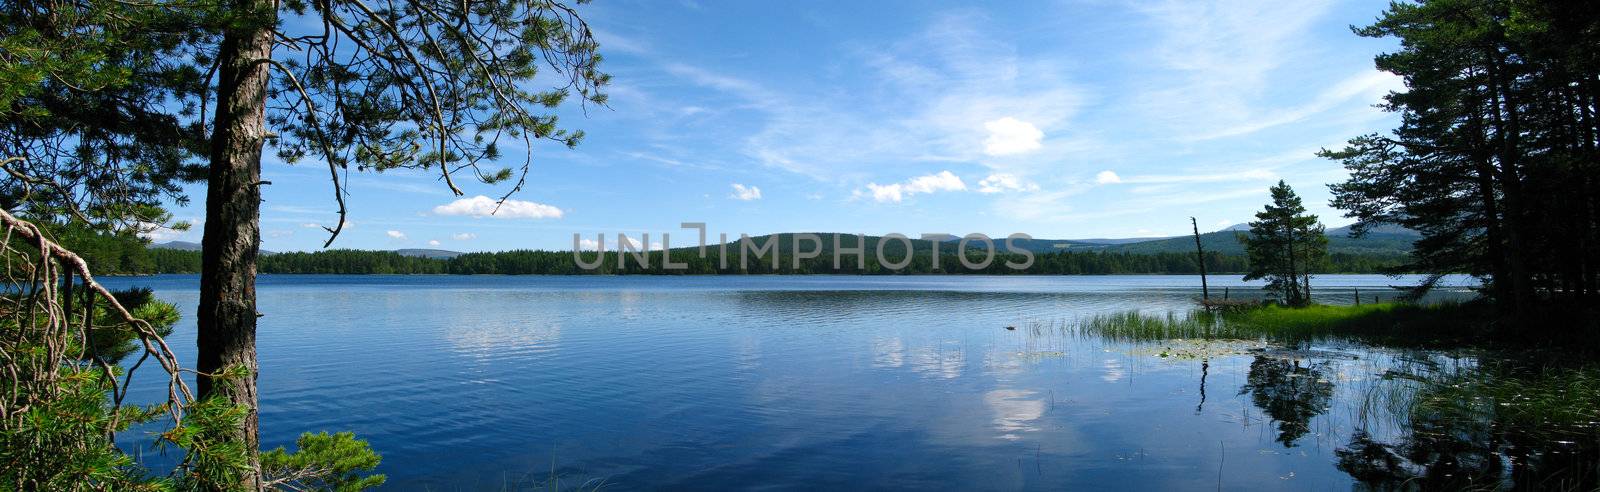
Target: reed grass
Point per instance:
(1388, 323)
(1565, 400)
(1509, 395)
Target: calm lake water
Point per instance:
(787, 382)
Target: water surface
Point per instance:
(492, 382)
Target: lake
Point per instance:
(791, 382)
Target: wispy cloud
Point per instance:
(1224, 58)
(397, 235)
(1246, 175)
(1368, 87)
(948, 94)
(1003, 182)
(612, 42)
(317, 225)
(746, 193)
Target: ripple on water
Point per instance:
(858, 382)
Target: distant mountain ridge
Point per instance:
(1383, 240)
(438, 254)
(1378, 240)
(428, 253)
(178, 245)
(188, 246)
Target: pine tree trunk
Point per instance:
(1482, 155)
(227, 314)
(1294, 283)
(1505, 119)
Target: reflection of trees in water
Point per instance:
(1471, 449)
(1289, 393)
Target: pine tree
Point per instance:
(1496, 161)
(1284, 245)
(108, 106)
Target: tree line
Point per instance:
(539, 262)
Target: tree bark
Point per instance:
(1485, 176)
(1294, 278)
(1505, 119)
(227, 313)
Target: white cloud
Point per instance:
(943, 181)
(465, 236)
(393, 234)
(1003, 182)
(1107, 177)
(1246, 175)
(746, 193)
(433, 242)
(588, 244)
(1008, 136)
(633, 244)
(158, 233)
(482, 206)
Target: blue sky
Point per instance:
(1055, 119)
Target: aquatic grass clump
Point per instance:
(1387, 323)
(1137, 326)
(1551, 400)
(1197, 324)
(1497, 426)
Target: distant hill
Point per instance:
(1125, 240)
(1054, 245)
(786, 244)
(428, 253)
(178, 245)
(438, 254)
(1379, 240)
(1384, 229)
(1382, 241)
(188, 246)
